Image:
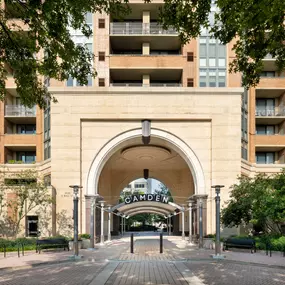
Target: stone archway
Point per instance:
(122, 140)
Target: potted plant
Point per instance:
(209, 241)
(71, 243)
(85, 240)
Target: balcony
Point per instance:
(165, 84)
(146, 61)
(129, 28)
(122, 84)
(20, 139)
(269, 63)
(269, 143)
(270, 116)
(271, 82)
(133, 34)
(20, 114)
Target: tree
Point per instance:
(256, 26)
(27, 192)
(259, 200)
(163, 190)
(44, 48)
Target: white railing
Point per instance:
(279, 111)
(165, 84)
(129, 28)
(19, 111)
(126, 84)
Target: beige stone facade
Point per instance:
(144, 74)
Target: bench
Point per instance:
(51, 243)
(240, 243)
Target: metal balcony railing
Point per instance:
(279, 111)
(129, 28)
(165, 84)
(19, 111)
(126, 84)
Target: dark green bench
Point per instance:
(51, 243)
(240, 243)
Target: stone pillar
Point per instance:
(102, 223)
(190, 223)
(146, 17)
(122, 226)
(145, 48)
(183, 222)
(146, 80)
(200, 203)
(176, 225)
(116, 225)
(87, 213)
(109, 224)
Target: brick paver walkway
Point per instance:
(114, 264)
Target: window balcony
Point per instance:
(129, 28)
(20, 139)
(122, 84)
(165, 84)
(269, 142)
(20, 114)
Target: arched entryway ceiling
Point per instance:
(127, 148)
(146, 207)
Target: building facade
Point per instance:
(205, 129)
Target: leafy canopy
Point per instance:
(256, 27)
(259, 200)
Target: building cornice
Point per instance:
(90, 91)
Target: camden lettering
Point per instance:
(146, 197)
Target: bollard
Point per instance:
(22, 249)
(18, 250)
(161, 243)
(4, 250)
(132, 243)
(284, 251)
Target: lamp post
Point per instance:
(218, 226)
(102, 223)
(190, 222)
(75, 216)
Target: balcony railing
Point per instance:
(128, 28)
(126, 84)
(19, 111)
(165, 84)
(280, 111)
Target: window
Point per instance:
(26, 129)
(265, 130)
(73, 82)
(101, 23)
(265, 107)
(26, 156)
(32, 226)
(190, 82)
(47, 180)
(88, 18)
(265, 157)
(267, 74)
(101, 56)
(101, 82)
(190, 56)
(244, 153)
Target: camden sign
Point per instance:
(147, 197)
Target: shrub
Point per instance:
(84, 236)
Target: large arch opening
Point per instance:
(125, 158)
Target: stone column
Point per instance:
(102, 223)
(109, 224)
(183, 222)
(190, 223)
(200, 202)
(122, 226)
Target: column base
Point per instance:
(183, 236)
(109, 238)
(102, 240)
(218, 256)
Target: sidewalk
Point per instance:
(183, 251)
(32, 259)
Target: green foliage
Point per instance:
(163, 190)
(28, 191)
(12, 245)
(256, 27)
(84, 236)
(259, 200)
(47, 29)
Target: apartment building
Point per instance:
(204, 128)
(139, 186)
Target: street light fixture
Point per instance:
(218, 223)
(75, 216)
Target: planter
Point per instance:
(208, 243)
(85, 243)
(71, 243)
